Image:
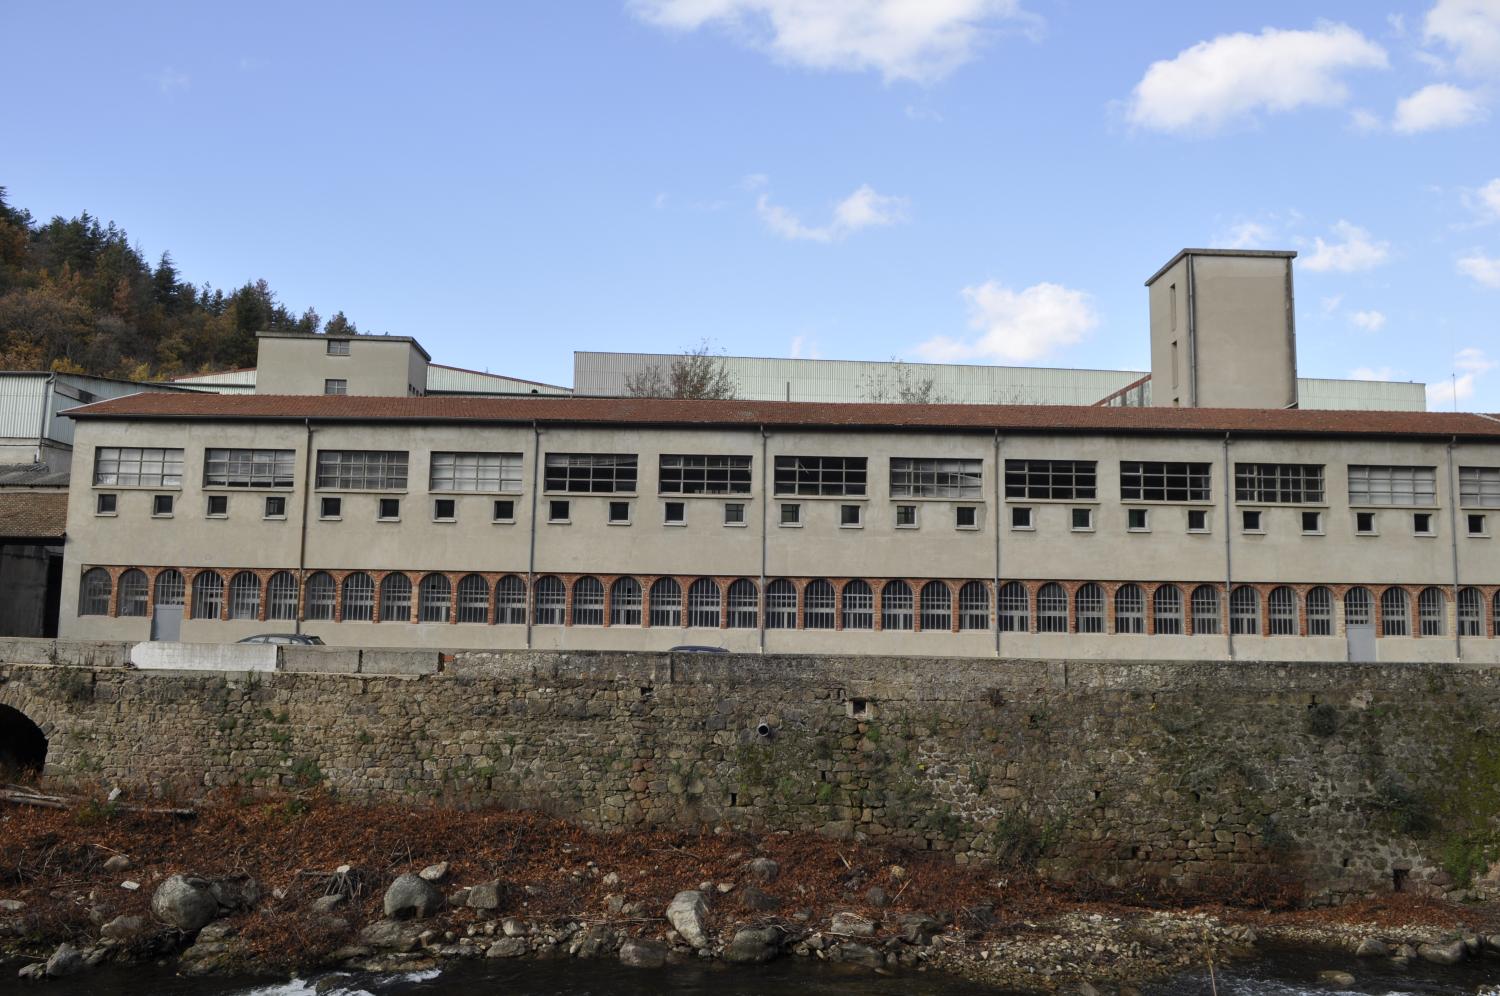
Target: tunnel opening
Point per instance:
(23, 746)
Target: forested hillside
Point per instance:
(76, 296)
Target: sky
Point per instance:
(984, 181)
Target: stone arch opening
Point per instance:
(23, 745)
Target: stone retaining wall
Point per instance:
(1356, 777)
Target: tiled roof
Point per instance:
(786, 414)
(33, 514)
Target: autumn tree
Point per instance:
(698, 373)
(900, 383)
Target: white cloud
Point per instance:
(1370, 321)
(803, 348)
(1469, 364)
(919, 40)
(862, 209)
(1372, 373)
(1363, 120)
(170, 79)
(1246, 235)
(1235, 76)
(1489, 198)
(1331, 303)
(1357, 251)
(1482, 268)
(1016, 326)
(1470, 29)
(1438, 105)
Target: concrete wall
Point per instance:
(1341, 773)
(376, 365)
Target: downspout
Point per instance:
(995, 523)
(765, 477)
(48, 390)
(536, 447)
(307, 491)
(1192, 336)
(1458, 631)
(1228, 552)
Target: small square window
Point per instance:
(558, 510)
(849, 516)
(966, 517)
(1137, 520)
(1421, 524)
(330, 508)
(1312, 523)
(1364, 523)
(1478, 526)
(1020, 518)
(1083, 520)
(1252, 520)
(336, 386)
(505, 510)
(390, 509)
(338, 347)
(444, 509)
(674, 513)
(106, 505)
(791, 514)
(619, 513)
(218, 506)
(1197, 520)
(161, 504)
(906, 516)
(734, 513)
(275, 507)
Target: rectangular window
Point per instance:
(558, 511)
(849, 516)
(917, 477)
(791, 514)
(1158, 481)
(389, 509)
(218, 506)
(734, 513)
(1252, 520)
(505, 511)
(131, 466)
(1197, 520)
(1477, 524)
(1312, 523)
(338, 347)
(1421, 524)
(1083, 520)
(362, 470)
(1289, 483)
(106, 504)
(1020, 518)
(1364, 523)
(1065, 480)
(1372, 485)
(225, 468)
(591, 473)
(799, 475)
(492, 472)
(161, 504)
(275, 507)
(330, 508)
(966, 517)
(335, 385)
(686, 474)
(619, 513)
(674, 513)
(1137, 519)
(444, 509)
(906, 516)
(1479, 486)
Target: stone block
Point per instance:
(407, 662)
(319, 660)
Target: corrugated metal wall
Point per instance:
(1361, 395)
(21, 405)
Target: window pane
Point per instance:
(486, 472)
(1068, 480)
(913, 477)
(362, 470)
(818, 475)
(591, 473)
(225, 468)
(704, 475)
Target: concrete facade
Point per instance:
(367, 365)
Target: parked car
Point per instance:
(689, 648)
(293, 639)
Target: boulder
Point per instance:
(1372, 947)
(11, 906)
(36, 970)
(211, 957)
(185, 902)
(1335, 978)
(919, 929)
(66, 960)
(117, 863)
(239, 892)
(434, 873)
(391, 935)
(329, 903)
(752, 897)
(513, 927)
(876, 897)
(752, 945)
(507, 947)
(858, 954)
(485, 896)
(637, 953)
(851, 925)
(1450, 953)
(412, 896)
(597, 940)
(122, 928)
(687, 913)
(764, 870)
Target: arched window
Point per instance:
(208, 595)
(1130, 609)
(510, 601)
(781, 605)
(551, 601)
(1359, 607)
(588, 602)
(1166, 610)
(859, 605)
(1319, 612)
(937, 607)
(818, 605)
(703, 604)
(395, 598)
(1282, 603)
(744, 605)
(434, 599)
(133, 591)
(666, 602)
(171, 589)
(896, 605)
(94, 589)
(359, 598)
(320, 595)
(1244, 611)
(974, 606)
(473, 599)
(281, 596)
(244, 596)
(1205, 606)
(1432, 608)
(1395, 612)
(1090, 604)
(1014, 608)
(1470, 611)
(625, 602)
(1052, 608)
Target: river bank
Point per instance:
(274, 885)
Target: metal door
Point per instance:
(166, 623)
(1361, 638)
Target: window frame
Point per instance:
(1280, 484)
(692, 473)
(1051, 480)
(168, 460)
(361, 470)
(1166, 482)
(485, 472)
(820, 476)
(959, 478)
(567, 473)
(1380, 486)
(249, 469)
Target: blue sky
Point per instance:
(973, 180)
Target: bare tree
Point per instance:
(697, 373)
(899, 383)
